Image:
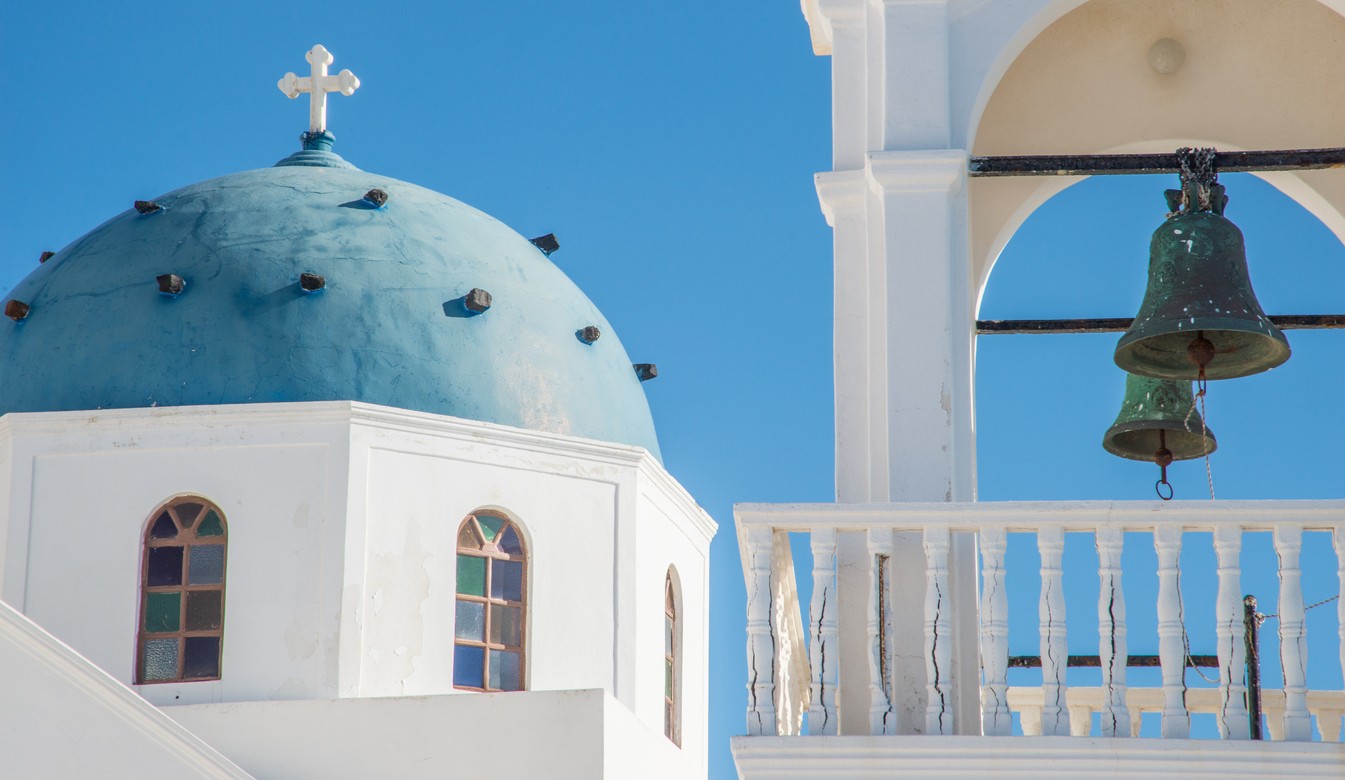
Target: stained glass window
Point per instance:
(672, 659)
(488, 644)
(182, 593)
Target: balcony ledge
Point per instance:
(1031, 758)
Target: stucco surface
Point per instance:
(389, 328)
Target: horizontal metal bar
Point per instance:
(1034, 661)
(1112, 164)
(1121, 324)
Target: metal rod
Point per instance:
(1034, 661)
(1251, 636)
(1121, 324)
(1105, 164)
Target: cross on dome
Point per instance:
(317, 86)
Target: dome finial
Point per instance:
(317, 86)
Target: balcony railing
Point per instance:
(791, 673)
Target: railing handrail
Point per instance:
(1031, 516)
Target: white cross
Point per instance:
(318, 85)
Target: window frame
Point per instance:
(186, 538)
(672, 657)
(491, 552)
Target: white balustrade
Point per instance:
(938, 635)
(995, 717)
(1111, 621)
(1171, 632)
(788, 677)
(1230, 635)
(825, 654)
(1054, 649)
(882, 718)
(1293, 646)
(760, 636)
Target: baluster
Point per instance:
(825, 656)
(1111, 622)
(938, 634)
(1293, 639)
(1171, 633)
(760, 635)
(881, 716)
(995, 717)
(1230, 636)
(1054, 648)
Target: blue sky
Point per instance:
(671, 147)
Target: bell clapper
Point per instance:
(1163, 457)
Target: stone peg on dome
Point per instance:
(317, 85)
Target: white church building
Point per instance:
(310, 472)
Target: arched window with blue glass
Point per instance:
(181, 632)
(490, 634)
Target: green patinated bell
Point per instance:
(1154, 417)
(1199, 287)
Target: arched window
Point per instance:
(489, 641)
(182, 593)
(672, 661)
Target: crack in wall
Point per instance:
(1000, 705)
(1111, 664)
(934, 656)
(822, 666)
(1050, 655)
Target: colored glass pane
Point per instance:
(490, 526)
(668, 678)
(471, 621)
(162, 612)
(187, 513)
(506, 625)
(467, 537)
(504, 671)
(506, 580)
(163, 528)
(468, 666)
(509, 542)
(204, 610)
(159, 660)
(207, 565)
(667, 635)
(165, 566)
(471, 575)
(201, 657)
(211, 525)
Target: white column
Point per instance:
(1111, 617)
(849, 98)
(760, 635)
(1230, 635)
(995, 717)
(938, 641)
(843, 195)
(910, 71)
(1171, 632)
(1338, 537)
(1293, 634)
(1054, 648)
(824, 653)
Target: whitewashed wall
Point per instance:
(342, 524)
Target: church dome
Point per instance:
(391, 326)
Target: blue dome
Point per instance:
(390, 327)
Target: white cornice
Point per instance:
(1031, 758)
(916, 171)
(115, 699)
(841, 193)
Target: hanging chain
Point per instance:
(1199, 400)
(1198, 177)
(1261, 618)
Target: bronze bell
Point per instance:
(1200, 318)
(1157, 415)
